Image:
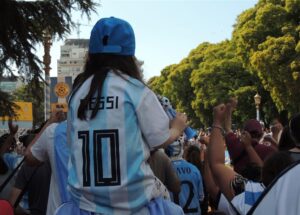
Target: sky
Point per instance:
(165, 30)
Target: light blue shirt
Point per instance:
(191, 187)
(108, 170)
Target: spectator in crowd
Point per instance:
(241, 192)
(192, 192)
(114, 118)
(289, 138)
(7, 161)
(193, 156)
(31, 185)
(276, 128)
(35, 181)
(50, 145)
(239, 155)
(286, 142)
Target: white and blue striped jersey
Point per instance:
(108, 169)
(52, 146)
(245, 200)
(191, 187)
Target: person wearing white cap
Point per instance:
(114, 120)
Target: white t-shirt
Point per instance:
(108, 170)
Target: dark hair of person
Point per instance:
(3, 167)
(26, 139)
(283, 117)
(294, 126)
(273, 166)
(252, 172)
(286, 142)
(193, 156)
(99, 65)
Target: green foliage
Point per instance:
(262, 56)
(219, 77)
(7, 106)
(267, 38)
(274, 67)
(211, 74)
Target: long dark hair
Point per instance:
(99, 65)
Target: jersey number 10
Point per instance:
(105, 148)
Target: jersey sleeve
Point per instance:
(153, 120)
(39, 148)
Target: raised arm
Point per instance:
(210, 183)
(228, 115)
(56, 116)
(253, 156)
(223, 175)
(178, 124)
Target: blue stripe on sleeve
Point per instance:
(61, 159)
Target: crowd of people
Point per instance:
(116, 151)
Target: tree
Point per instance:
(220, 76)
(211, 74)
(157, 83)
(23, 25)
(179, 90)
(267, 41)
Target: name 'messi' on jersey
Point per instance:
(107, 102)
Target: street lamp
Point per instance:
(257, 100)
(47, 60)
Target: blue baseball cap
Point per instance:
(112, 35)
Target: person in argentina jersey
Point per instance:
(192, 192)
(50, 144)
(114, 120)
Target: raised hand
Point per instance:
(179, 122)
(219, 112)
(57, 116)
(246, 139)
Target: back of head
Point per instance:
(286, 142)
(112, 36)
(26, 139)
(111, 48)
(274, 165)
(175, 149)
(254, 127)
(193, 156)
(3, 139)
(295, 129)
(252, 172)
